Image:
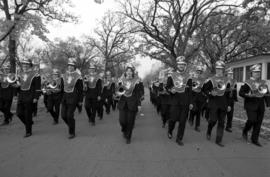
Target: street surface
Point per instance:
(101, 151)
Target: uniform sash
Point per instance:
(70, 80)
(26, 79)
(180, 81)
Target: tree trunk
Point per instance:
(12, 54)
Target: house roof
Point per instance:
(262, 56)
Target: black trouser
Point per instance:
(114, 103)
(67, 114)
(34, 108)
(165, 113)
(45, 101)
(79, 107)
(90, 105)
(178, 113)
(255, 119)
(205, 111)
(196, 113)
(230, 117)
(127, 120)
(100, 109)
(158, 104)
(5, 105)
(25, 113)
(108, 104)
(216, 115)
(53, 104)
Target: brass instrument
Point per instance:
(50, 86)
(196, 86)
(12, 78)
(178, 86)
(260, 90)
(89, 79)
(220, 88)
(120, 89)
(263, 89)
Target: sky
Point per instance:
(89, 14)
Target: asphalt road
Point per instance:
(101, 151)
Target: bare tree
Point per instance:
(58, 52)
(235, 36)
(114, 41)
(169, 28)
(22, 14)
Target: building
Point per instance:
(241, 67)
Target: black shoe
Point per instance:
(197, 129)
(170, 136)
(179, 142)
(128, 141)
(93, 123)
(71, 136)
(208, 137)
(220, 144)
(228, 130)
(257, 143)
(245, 137)
(27, 135)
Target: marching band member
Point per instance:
(79, 106)
(164, 96)
(101, 101)
(215, 88)
(44, 82)
(35, 105)
(114, 102)
(93, 93)
(155, 97)
(254, 93)
(54, 90)
(232, 97)
(198, 97)
(29, 92)
(6, 95)
(141, 87)
(129, 102)
(179, 85)
(73, 95)
(108, 91)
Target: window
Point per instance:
(248, 73)
(238, 74)
(268, 71)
